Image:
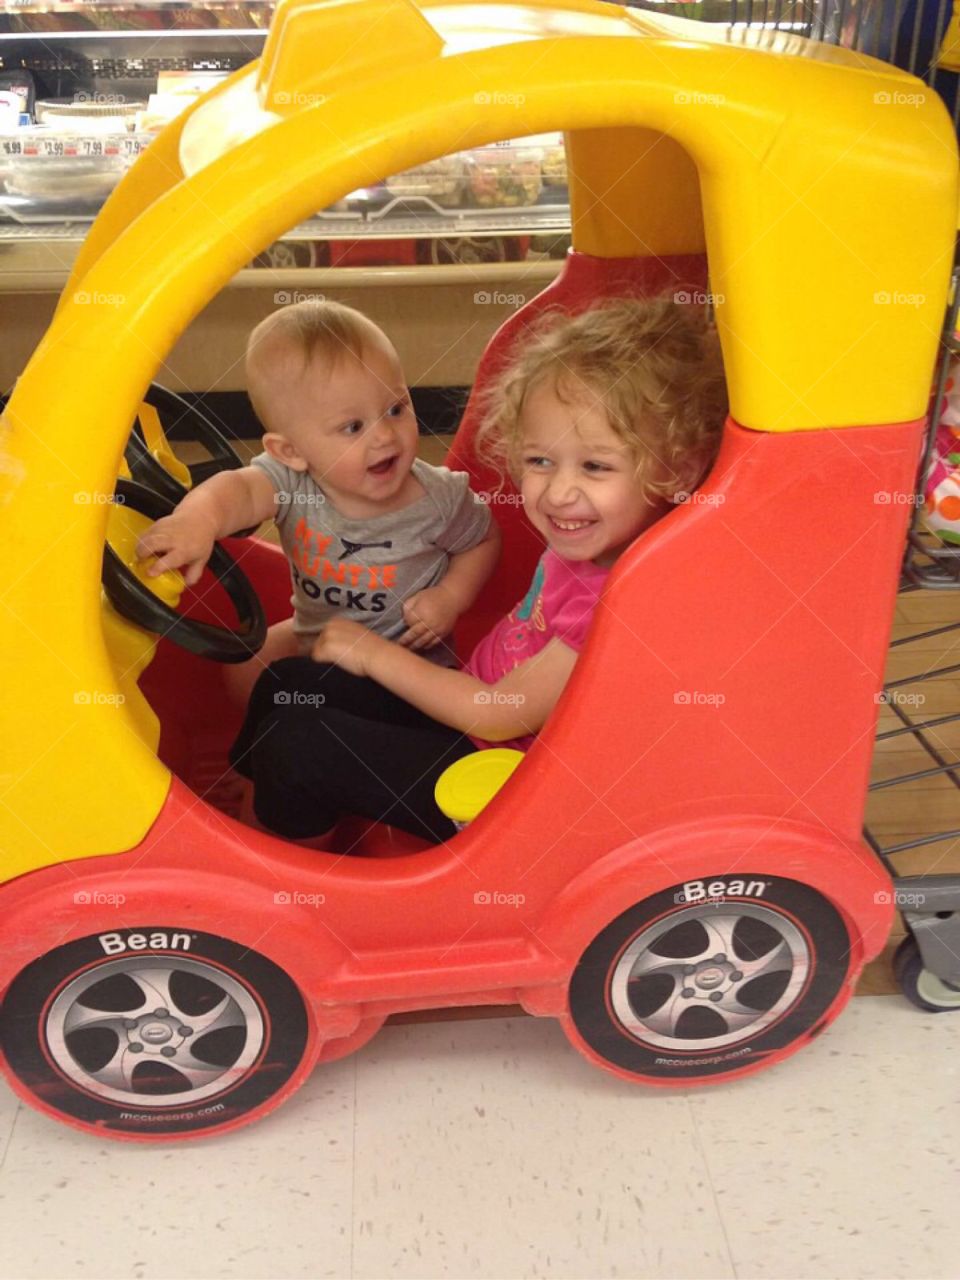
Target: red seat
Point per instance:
(583, 281)
(197, 732)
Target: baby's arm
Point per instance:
(517, 705)
(432, 613)
(226, 502)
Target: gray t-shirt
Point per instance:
(364, 569)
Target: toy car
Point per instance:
(676, 870)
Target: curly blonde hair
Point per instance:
(654, 365)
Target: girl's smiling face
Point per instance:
(578, 479)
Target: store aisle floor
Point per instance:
(491, 1149)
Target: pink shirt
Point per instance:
(559, 605)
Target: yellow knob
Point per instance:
(471, 783)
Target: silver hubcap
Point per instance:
(935, 991)
(155, 1031)
(709, 976)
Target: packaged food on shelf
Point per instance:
(18, 83)
(441, 181)
(554, 165)
(175, 91)
(63, 181)
(504, 176)
(9, 110)
(94, 113)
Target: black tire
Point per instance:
(153, 1032)
(659, 994)
(922, 987)
(286, 255)
(467, 250)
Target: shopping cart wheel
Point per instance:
(918, 984)
(154, 1033)
(680, 992)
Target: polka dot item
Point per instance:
(941, 510)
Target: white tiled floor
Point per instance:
(491, 1149)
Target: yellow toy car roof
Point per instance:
(822, 183)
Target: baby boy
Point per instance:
(371, 532)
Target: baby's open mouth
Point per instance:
(384, 467)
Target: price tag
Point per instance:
(68, 146)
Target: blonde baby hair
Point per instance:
(282, 345)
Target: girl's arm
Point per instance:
(517, 705)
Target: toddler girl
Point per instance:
(604, 420)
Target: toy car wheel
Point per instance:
(467, 250)
(918, 984)
(679, 991)
(285, 255)
(154, 1033)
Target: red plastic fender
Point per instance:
(698, 858)
(50, 908)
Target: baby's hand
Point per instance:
(347, 645)
(177, 540)
(430, 615)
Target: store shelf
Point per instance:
(477, 209)
(40, 262)
(58, 17)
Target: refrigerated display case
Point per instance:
(95, 81)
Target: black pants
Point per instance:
(319, 743)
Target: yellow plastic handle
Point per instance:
(159, 445)
(471, 783)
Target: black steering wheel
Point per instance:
(135, 601)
